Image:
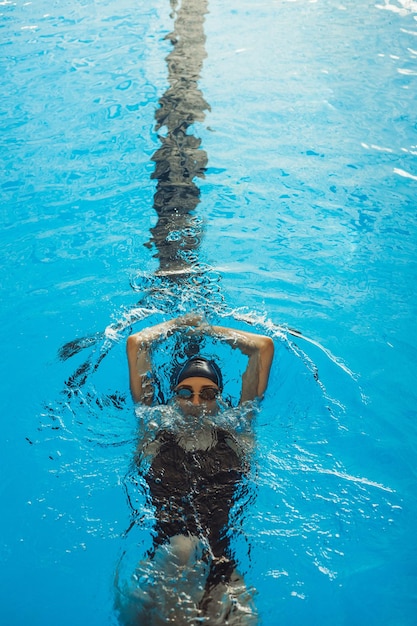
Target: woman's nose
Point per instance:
(196, 398)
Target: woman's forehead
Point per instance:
(197, 381)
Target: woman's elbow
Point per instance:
(267, 347)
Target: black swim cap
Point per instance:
(199, 366)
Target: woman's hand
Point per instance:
(193, 320)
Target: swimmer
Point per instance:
(191, 575)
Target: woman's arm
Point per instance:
(259, 349)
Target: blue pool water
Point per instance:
(306, 220)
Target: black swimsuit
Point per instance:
(193, 491)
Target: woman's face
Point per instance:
(197, 394)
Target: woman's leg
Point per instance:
(168, 586)
(226, 598)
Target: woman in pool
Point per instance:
(192, 479)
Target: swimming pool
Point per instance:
(305, 219)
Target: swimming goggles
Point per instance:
(207, 394)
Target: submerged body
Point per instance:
(193, 490)
(190, 575)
